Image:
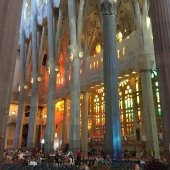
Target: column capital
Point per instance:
(109, 7)
(73, 53)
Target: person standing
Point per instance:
(78, 157)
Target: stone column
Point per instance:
(160, 18)
(50, 128)
(65, 124)
(152, 143)
(34, 80)
(74, 139)
(112, 138)
(21, 105)
(85, 124)
(10, 12)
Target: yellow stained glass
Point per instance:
(137, 86)
(98, 48)
(138, 100)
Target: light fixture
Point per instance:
(13, 113)
(39, 78)
(71, 56)
(19, 88)
(80, 54)
(98, 49)
(48, 70)
(25, 87)
(45, 116)
(134, 72)
(42, 141)
(57, 68)
(119, 37)
(70, 53)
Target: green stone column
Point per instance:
(74, 138)
(152, 143)
(21, 105)
(50, 121)
(34, 80)
(112, 137)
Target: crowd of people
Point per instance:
(59, 158)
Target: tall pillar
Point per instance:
(34, 80)
(74, 139)
(152, 143)
(112, 138)
(50, 129)
(65, 124)
(19, 121)
(160, 18)
(85, 125)
(10, 12)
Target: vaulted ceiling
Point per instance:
(92, 22)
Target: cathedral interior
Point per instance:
(68, 92)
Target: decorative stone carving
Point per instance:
(71, 53)
(109, 7)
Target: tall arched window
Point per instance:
(129, 105)
(156, 95)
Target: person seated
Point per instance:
(108, 160)
(33, 163)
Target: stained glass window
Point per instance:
(96, 112)
(129, 104)
(156, 94)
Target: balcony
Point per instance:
(131, 53)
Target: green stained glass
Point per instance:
(137, 86)
(132, 117)
(131, 102)
(128, 103)
(156, 94)
(156, 84)
(158, 98)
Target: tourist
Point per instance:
(78, 157)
